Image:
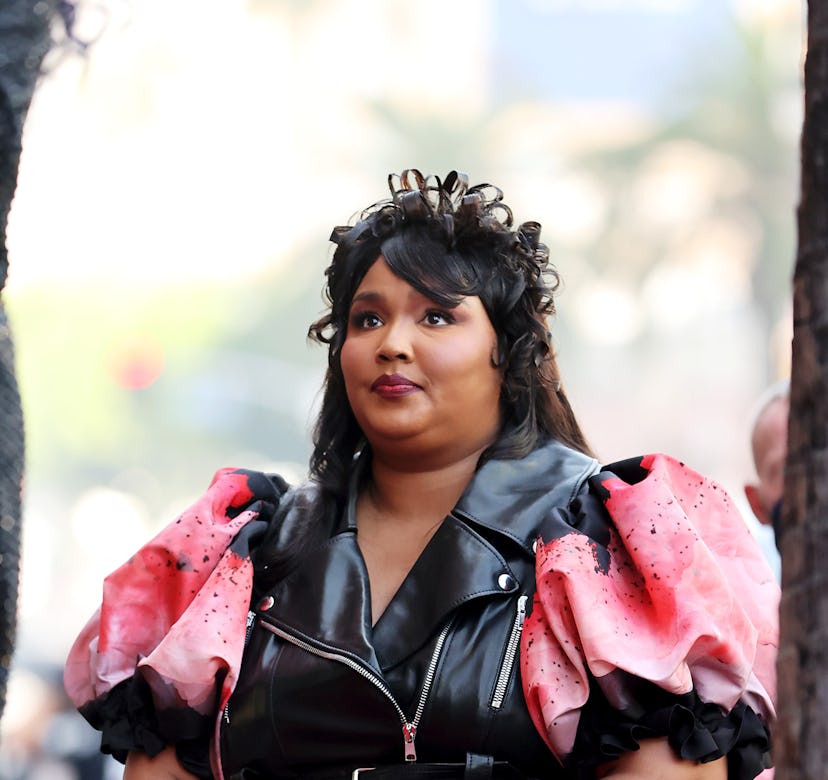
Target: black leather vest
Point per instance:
(438, 675)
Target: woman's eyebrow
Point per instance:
(368, 295)
(374, 296)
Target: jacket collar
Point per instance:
(510, 497)
(326, 600)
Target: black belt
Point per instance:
(477, 767)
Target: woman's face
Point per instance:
(419, 376)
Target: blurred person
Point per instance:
(769, 447)
(30, 703)
(459, 590)
(43, 737)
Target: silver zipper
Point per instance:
(409, 728)
(251, 617)
(509, 657)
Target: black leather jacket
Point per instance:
(437, 676)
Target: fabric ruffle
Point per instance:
(160, 657)
(651, 576)
(696, 731)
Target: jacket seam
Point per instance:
(590, 470)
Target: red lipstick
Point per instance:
(393, 386)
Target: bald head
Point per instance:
(769, 442)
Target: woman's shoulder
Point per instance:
(656, 485)
(655, 467)
(235, 487)
(234, 491)
(551, 467)
(650, 580)
(671, 527)
(512, 495)
(660, 498)
(184, 649)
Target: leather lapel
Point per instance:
(326, 600)
(456, 566)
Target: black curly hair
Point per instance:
(448, 240)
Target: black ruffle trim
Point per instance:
(696, 730)
(128, 721)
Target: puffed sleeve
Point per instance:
(159, 658)
(655, 615)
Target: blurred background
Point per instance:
(179, 182)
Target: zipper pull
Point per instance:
(409, 733)
(521, 610)
(248, 630)
(251, 617)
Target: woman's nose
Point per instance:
(395, 343)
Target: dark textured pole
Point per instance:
(802, 732)
(24, 41)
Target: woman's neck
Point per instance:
(408, 494)
(398, 511)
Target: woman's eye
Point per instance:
(366, 319)
(438, 318)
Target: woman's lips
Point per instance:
(393, 386)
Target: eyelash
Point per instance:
(360, 319)
(448, 317)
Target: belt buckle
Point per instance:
(357, 772)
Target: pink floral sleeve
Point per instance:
(676, 593)
(174, 614)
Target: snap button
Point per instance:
(266, 603)
(506, 582)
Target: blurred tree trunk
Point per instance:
(24, 40)
(801, 745)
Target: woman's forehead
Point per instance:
(438, 279)
(381, 279)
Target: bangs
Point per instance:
(441, 274)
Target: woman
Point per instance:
(459, 590)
